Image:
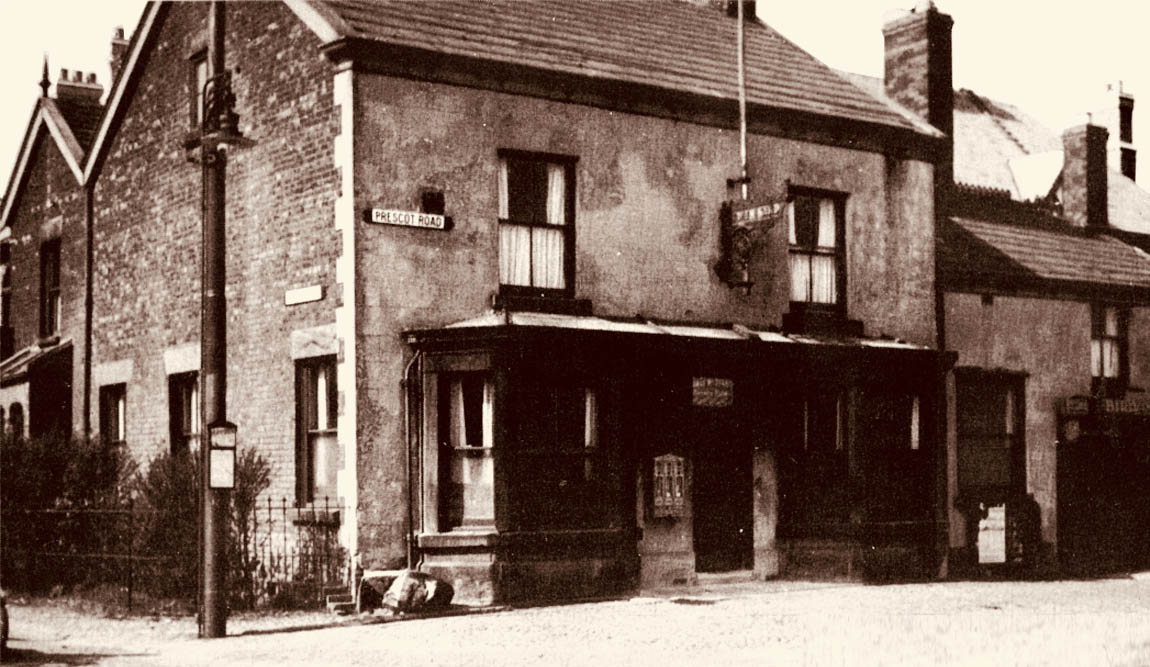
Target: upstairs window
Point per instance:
(815, 237)
(7, 340)
(197, 77)
(536, 238)
(184, 412)
(112, 415)
(50, 288)
(1109, 369)
(317, 451)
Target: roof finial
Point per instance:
(44, 81)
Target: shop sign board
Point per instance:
(712, 392)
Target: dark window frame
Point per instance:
(7, 340)
(184, 427)
(981, 381)
(51, 318)
(307, 420)
(195, 87)
(568, 162)
(839, 307)
(113, 400)
(1100, 385)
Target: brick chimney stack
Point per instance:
(918, 72)
(78, 88)
(1084, 180)
(119, 52)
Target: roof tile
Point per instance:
(672, 45)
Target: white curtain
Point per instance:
(556, 194)
(514, 254)
(1096, 358)
(547, 257)
(792, 236)
(503, 208)
(800, 276)
(827, 230)
(822, 278)
(1110, 358)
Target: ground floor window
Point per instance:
(317, 450)
(466, 439)
(113, 402)
(556, 465)
(184, 412)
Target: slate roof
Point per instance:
(83, 118)
(677, 46)
(1013, 255)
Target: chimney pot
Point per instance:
(78, 76)
(91, 77)
(119, 34)
(63, 74)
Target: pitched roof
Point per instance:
(672, 45)
(1019, 255)
(46, 116)
(83, 117)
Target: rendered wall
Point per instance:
(648, 193)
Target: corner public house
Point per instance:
(541, 343)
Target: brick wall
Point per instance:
(51, 205)
(280, 234)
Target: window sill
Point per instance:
(49, 340)
(459, 539)
(556, 305)
(804, 319)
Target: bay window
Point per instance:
(466, 434)
(536, 210)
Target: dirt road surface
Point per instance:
(1102, 622)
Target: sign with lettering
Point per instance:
(712, 392)
(748, 212)
(406, 218)
(1081, 405)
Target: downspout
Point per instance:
(406, 386)
(89, 270)
(743, 178)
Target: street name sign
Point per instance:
(406, 218)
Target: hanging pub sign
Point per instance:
(712, 392)
(387, 216)
(743, 225)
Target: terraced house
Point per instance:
(1042, 278)
(496, 291)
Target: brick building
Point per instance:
(1043, 295)
(487, 292)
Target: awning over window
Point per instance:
(507, 323)
(14, 369)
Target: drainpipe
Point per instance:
(406, 386)
(89, 270)
(742, 105)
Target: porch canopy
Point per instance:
(507, 325)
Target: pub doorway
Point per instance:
(723, 504)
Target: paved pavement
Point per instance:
(1101, 622)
